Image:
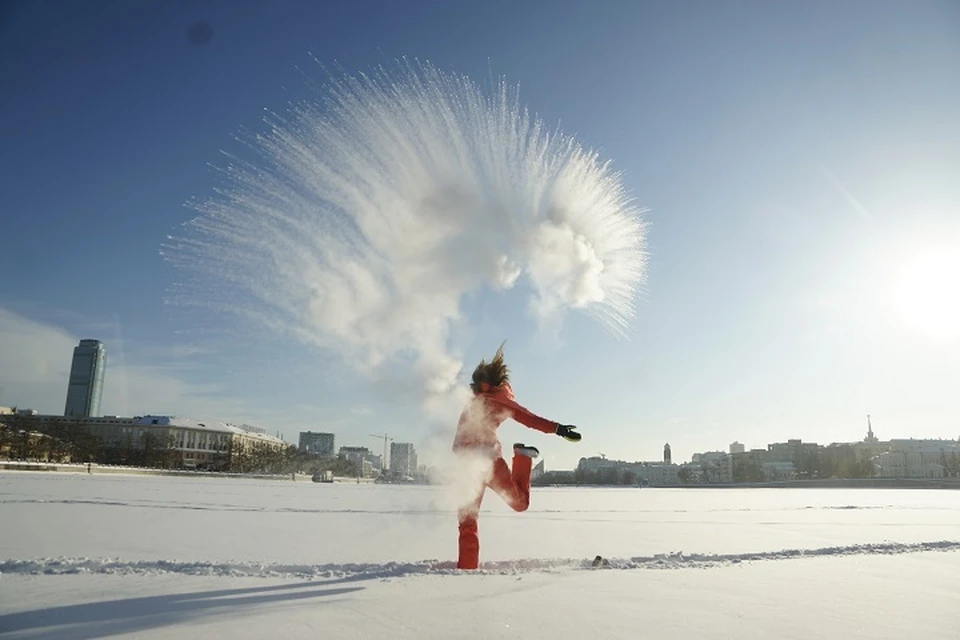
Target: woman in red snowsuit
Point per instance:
(493, 402)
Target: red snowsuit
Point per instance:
(477, 433)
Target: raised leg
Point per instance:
(513, 487)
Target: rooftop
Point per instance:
(209, 425)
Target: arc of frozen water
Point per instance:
(367, 216)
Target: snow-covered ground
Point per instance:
(170, 557)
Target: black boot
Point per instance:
(520, 449)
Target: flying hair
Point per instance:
(493, 374)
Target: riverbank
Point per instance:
(839, 483)
(98, 469)
(831, 483)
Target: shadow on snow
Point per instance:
(130, 615)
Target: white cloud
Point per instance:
(174, 351)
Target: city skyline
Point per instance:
(92, 353)
(804, 217)
(178, 443)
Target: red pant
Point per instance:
(514, 488)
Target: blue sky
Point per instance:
(799, 159)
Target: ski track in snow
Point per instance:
(675, 560)
(149, 504)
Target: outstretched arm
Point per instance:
(526, 417)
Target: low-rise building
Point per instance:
(165, 441)
(657, 474)
(600, 470)
(713, 467)
(366, 463)
(778, 470)
(794, 451)
(909, 458)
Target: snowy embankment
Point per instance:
(99, 469)
(162, 557)
(678, 560)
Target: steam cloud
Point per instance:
(368, 215)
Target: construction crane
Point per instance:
(386, 438)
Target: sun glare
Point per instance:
(928, 293)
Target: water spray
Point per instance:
(367, 215)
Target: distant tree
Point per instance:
(254, 456)
(59, 448)
(609, 475)
(159, 451)
(865, 469)
(841, 462)
(746, 468)
(242, 456)
(808, 464)
(6, 440)
(85, 447)
(585, 476)
(20, 447)
(709, 472)
(948, 463)
(684, 475)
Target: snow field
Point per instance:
(160, 557)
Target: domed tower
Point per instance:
(666, 454)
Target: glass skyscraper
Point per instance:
(86, 380)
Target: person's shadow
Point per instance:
(129, 615)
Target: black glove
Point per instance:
(567, 432)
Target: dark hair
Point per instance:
(494, 373)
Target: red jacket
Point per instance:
(486, 411)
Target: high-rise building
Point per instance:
(667, 457)
(86, 380)
(318, 443)
(736, 447)
(403, 459)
